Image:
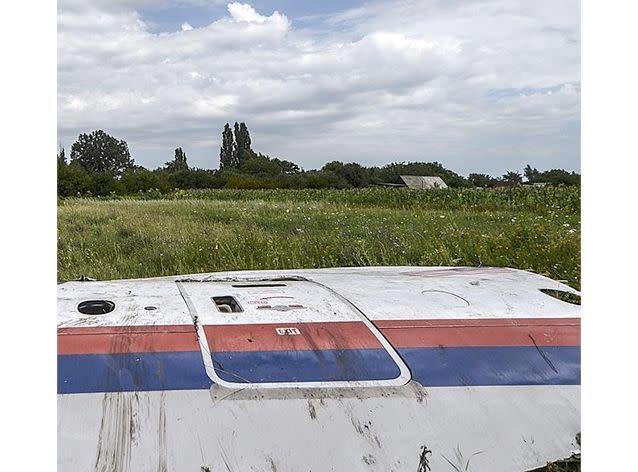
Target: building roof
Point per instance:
(423, 181)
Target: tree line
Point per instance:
(101, 165)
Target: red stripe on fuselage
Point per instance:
(322, 335)
(470, 322)
(313, 336)
(123, 339)
(482, 332)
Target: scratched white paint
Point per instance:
(379, 428)
(495, 428)
(130, 302)
(381, 293)
(316, 303)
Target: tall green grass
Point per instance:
(514, 198)
(215, 230)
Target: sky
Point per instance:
(479, 86)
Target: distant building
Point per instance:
(423, 182)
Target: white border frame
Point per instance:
(402, 379)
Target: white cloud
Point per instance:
(479, 86)
(244, 12)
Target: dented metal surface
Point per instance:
(391, 368)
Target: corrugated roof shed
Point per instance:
(423, 181)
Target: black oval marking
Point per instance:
(96, 307)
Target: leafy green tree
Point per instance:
(482, 180)
(260, 164)
(162, 180)
(263, 164)
(319, 180)
(352, 174)
(138, 179)
(325, 179)
(73, 180)
(227, 152)
(512, 178)
(558, 177)
(178, 163)
(103, 183)
(287, 167)
(194, 178)
(243, 151)
(99, 152)
(531, 174)
(355, 174)
(332, 166)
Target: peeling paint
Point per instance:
(311, 410)
(424, 461)
(114, 442)
(161, 439)
(368, 459)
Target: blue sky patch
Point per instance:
(505, 93)
(169, 18)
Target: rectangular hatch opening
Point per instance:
(227, 304)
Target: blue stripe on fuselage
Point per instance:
(433, 367)
(326, 365)
(80, 373)
(504, 365)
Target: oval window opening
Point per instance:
(563, 296)
(96, 307)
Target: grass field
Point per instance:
(213, 230)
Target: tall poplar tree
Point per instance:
(227, 152)
(243, 151)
